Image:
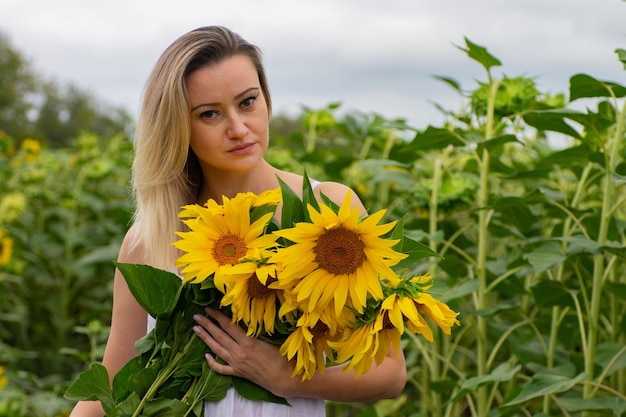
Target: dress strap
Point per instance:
(314, 184)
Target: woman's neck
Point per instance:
(216, 185)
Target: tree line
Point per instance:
(33, 106)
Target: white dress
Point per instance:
(234, 405)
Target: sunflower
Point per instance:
(3, 379)
(31, 148)
(394, 312)
(358, 348)
(309, 343)
(408, 303)
(369, 342)
(219, 237)
(437, 311)
(252, 299)
(6, 248)
(337, 258)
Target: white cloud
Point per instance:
(372, 55)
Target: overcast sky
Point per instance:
(370, 55)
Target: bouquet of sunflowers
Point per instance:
(327, 286)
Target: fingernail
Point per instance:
(209, 310)
(196, 329)
(197, 317)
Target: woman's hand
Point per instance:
(245, 356)
(262, 363)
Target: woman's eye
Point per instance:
(247, 102)
(208, 114)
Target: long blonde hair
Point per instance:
(166, 173)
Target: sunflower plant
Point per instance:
(329, 287)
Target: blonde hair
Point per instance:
(166, 173)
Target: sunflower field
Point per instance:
(521, 192)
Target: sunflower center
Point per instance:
(229, 249)
(339, 251)
(387, 325)
(256, 289)
(319, 330)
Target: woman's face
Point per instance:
(229, 116)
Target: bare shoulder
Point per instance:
(132, 249)
(336, 191)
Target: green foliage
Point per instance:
(170, 368)
(65, 212)
(522, 194)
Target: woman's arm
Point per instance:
(128, 324)
(261, 363)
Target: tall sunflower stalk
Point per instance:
(327, 286)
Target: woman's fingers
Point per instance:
(216, 338)
(225, 324)
(244, 356)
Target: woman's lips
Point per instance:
(242, 149)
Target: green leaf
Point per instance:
(610, 353)
(450, 81)
(164, 407)
(252, 391)
(93, 385)
(257, 212)
(503, 372)
(146, 343)
(156, 290)
(462, 290)
(495, 143)
(544, 384)
(617, 289)
(588, 245)
(621, 55)
(414, 249)
(435, 138)
(516, 211)
(492, 311)
(308, 196)
(211, 386)
(545, 256)
(618, 179)
(480, 54)
(550, 293)
(193, 361)
(552, 121)
(128, 376)
(615, 404)
(585, 86)
(567, 158)
(293, 209)
(127, 407)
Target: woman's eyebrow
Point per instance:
(237, 97)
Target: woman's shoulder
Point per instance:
(336, 191)
(132, 249)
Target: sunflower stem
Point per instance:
(609, 195)
(482, 406)
(556, 311)
(163, 375)
(433, 208)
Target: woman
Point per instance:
(202, 133)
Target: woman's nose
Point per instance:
(237, 128)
